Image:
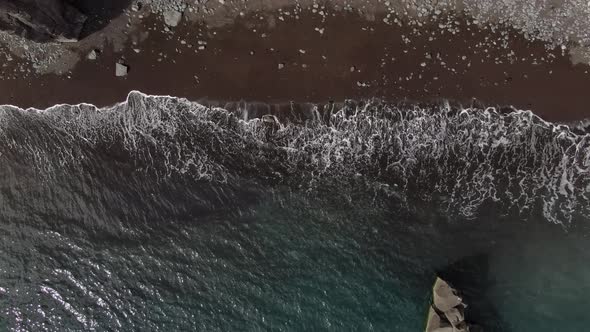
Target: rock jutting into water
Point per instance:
(446, 314)
(42, 20)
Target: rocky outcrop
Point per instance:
(446, 314)
(42, 20)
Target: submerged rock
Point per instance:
(42, 20)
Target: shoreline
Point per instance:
(319, 58)
(300, 112)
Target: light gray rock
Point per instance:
(445, 298)
(447, 311)
(121, 70)
(93, 55)
(172, 17)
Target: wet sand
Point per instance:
(352, 58)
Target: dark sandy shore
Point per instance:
(262, 58)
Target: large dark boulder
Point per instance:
(42, 20)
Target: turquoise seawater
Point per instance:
(163, 215)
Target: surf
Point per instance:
(458, 159)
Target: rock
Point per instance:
(93, 55)
(136, 6)
(42, 20)
(172, 17)
(121, 70)
(447, 311)
(444, 297)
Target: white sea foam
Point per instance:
(464, 157)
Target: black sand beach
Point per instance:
(261, 58)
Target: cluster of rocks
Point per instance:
(560, 23)
(447, 312)
(42, 20)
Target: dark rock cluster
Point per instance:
(42, 20)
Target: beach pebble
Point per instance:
(172, 17)
(93, 55)
(281, 65)
(136, 6)
(121, 69)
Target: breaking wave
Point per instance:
(457, 160)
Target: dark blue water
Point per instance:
(161, 214)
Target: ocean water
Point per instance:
(160, 214)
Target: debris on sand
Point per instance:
(136, 6)
(93, 55)
(121, 69)
(172, 17)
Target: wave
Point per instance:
(460, 160)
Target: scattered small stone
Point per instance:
(352, 69)
(281, 65)
(121, 69)
(302, 51)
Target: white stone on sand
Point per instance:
(121, 70)
(172, 17)
(93, 55)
